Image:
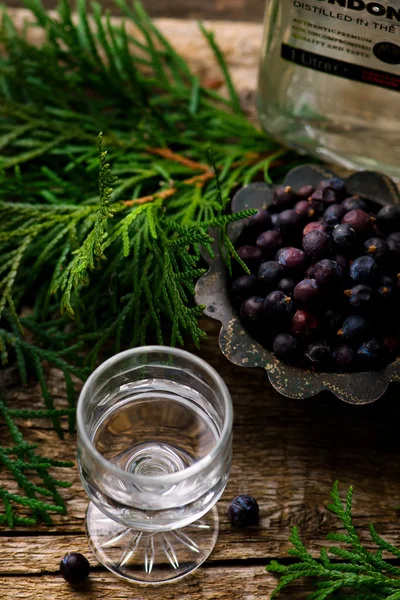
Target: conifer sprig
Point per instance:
(361, 574)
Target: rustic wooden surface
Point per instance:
(236, 10)
(287, 453)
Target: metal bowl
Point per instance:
(242, 349)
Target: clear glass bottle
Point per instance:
(329, 82)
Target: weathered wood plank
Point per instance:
(240, 10)
(226, 583)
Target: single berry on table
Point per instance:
(291, 259)
(377, 248)
(344, 357)
(251, 309)
(269, 242)
(364, 270)
(313, 226)
(345, 238)
(283, 195)
(359, 220)
(250, 255)
(244, 287)
(285, 346)
(370, 354)
(74, 567)
(354, 203)
(243, 511)
(318, 356)
(303, 324)
(388, 218)
(327, 272)
(316, 245)
(333, 215)
(278, 306)
(269, 273)
(290, 223)
(354, 329)
(286, 285)
(305, 191)
(306, 291)
(360, 296)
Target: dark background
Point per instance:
(237, 10)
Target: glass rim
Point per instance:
(170, 478)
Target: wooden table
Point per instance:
(287, 453)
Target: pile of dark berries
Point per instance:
(324, 288)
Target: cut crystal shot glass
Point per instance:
(154, 454)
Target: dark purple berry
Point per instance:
(243, 511)
(335, 184)
(290, 223)
(394, 247)
(306, 291)
(370, 354)
(244, 287)
(305, 191)
(286, 285)
(250, 255)
(327, 272)
(274, 220)
(252, 309)
(313, 226)
(269, 242)
(388, 218)
(260, 221)
(360, 296)
(283, 195)
(291, 258)
(342, 261)
(344, 357)
(278, 306)
(359, 220)
(354, 203)
(269, 273)
(331, 321)
(344, 237)
(364, 270)
(285, 346)
(74, 567)
(302, 208)
(387, 288)
(377, 248)
(303, 324)
(333, 215)
(316, 245)
(318, 356)
(355, 328)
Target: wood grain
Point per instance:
(205, 584)
(238, 10)
(287, 453)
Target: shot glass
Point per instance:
(154, 455)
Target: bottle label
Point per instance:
(354, 39)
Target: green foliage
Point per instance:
(361, 574)
(86, 272)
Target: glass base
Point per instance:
(150, 558)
